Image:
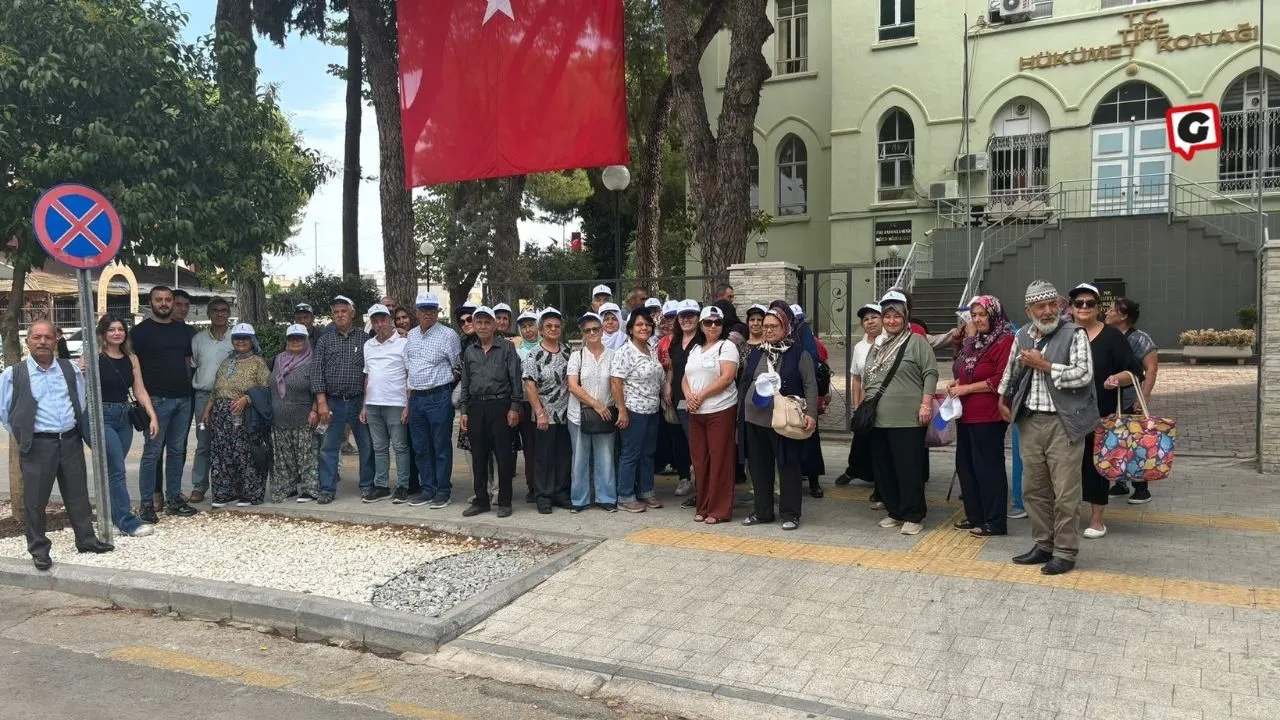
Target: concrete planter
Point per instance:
(1194, 353)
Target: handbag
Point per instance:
(1137, 447)
(592, 424)
(789, 419)
(940, 433)
(138, 416)
(864, 417)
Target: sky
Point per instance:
(314, 101)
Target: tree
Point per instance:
(318, 290)
(553, 272)
(718, 161)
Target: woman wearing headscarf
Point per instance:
(980, 430)
(294, 472)
(814, 466)
(234, 476)
(902, 414)
(788, 370)
(614, 337)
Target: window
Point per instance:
(793, 177)
(1243, 146)
(896, 154)
(1041, 9)
(753, 170)
(1108, 4)
(793, 36)
(897, 19)
(1131, 102)
(1019, 150)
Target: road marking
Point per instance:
(193, 665)
(949, 562)
(424, 713)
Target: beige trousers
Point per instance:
(1051, 484)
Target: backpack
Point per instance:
(822, 372)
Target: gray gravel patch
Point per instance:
(433, 587)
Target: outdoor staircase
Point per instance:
(936, 300)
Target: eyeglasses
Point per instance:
(1084, 304)
(712, 323)
(466, 321)
(595, 330)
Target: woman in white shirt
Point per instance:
(591, 419)
(712, 402)
(637, 379)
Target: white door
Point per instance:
(1131, 165)
(1111, 158)
(1151, 166)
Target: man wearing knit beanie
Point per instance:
(1048, 391)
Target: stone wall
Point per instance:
(1269, 357)
(764, 282)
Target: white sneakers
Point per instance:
(1016, 514)
(143, 531)
(889, 522)
(910, 528)
(1092, 534)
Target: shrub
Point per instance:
(1248, 317)
(270, 339)
(1217, 338)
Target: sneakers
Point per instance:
(1095, 534)
(421, 499)
(632, 507)
(652, 502)
(219, 504)
(178, 506)
(692, 501)
(400, 496)
(889, 522)
(324, 499)
(684, 487)
(475, 509)
(608, 507)
(910, 528)
(504, 511)
(844, 479)
(1141, 496)
(1017, 514)
(243, 503)
(305, 498)
(142, 531)
(375, 494)
(147, 514)
(1119, 489)
(744, 499)
(438, 504)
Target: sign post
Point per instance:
(77, 226)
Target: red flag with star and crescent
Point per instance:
(491, 88)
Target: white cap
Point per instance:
(767, 384)
(295, 330)
(527, 315)
(670, 307)
(711, 312)
(869, 308)
(378, 309)
(1084, 288)
(758, 308)
(589, 316)
(501, 307)
(427, 300)
(611, 308)
(483, 310)
(797, 311)
(339, 299)
(689, 306)
(653, 303)
(550, 311)
(468, 305)
(601, 290)
(893, 296)
(243, 329)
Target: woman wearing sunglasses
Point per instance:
(712, 402)
(1113, 360)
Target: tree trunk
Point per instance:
(398, 249)
(351, 156)
(505, 271)
(649, 188)
(12, 355)
(251, 293)
(718, 163)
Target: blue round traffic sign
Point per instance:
(77, 226)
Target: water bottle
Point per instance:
(237, 419)
(322, 428)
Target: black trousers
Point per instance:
(763, 448)
(673, 449)
(860, 465)
(528, 431)
(553, 465)
(1094, 489)
(983, 479)
(899, 455)
(491, 437)
(47, 461)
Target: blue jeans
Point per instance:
(173, 415)
(118, 432)
(346, 413)
(1016, 477)
(200, 459)
(388, 434)
(639, 443)
(592, 460)
(431, 427)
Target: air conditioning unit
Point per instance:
(945, 190)
(973, 162)
(1012, 9)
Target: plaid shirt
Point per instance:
(1076, 374)
(340, 359)
(432, 356)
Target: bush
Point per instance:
(1248, 317)
(1217, 338)
(270, 339)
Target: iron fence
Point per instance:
(825, 296)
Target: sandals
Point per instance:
(964, 525)
(985, 531)
(699, 518)
(754, 520)
(713, 520)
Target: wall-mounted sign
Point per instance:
(893, 232)
(1110, 289)
(1141, 28)
(1192, 128)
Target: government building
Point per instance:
(1064, 169)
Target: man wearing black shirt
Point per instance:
(163, 349)
(181, 309)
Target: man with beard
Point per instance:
(1048, 391)
(163, 349)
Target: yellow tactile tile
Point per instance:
(714, 543)
(830, 554)
(1170, 518)
(1267, 598)
(1209, 593)
(1244, 523)
(963, 567)
(1031, 575)
(658, 536)
(1119, 583)
(767, 548)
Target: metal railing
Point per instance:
(1202, 202)
(974, 282)
(919, 264)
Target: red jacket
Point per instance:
(984, 407)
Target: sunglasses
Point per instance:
(595, 330)
(466, 321)
(1085, 304)
(712, 323)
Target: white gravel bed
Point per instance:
(434, 587)
(346, 562)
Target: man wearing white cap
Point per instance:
(600, 295)
(492, 393)
(208, 349)
(386, 405)
(338, 383)
(433, 352)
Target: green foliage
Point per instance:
(558, 195)
(553, 272)
(1217, 338)
(270, 338)
(317, 290)
(1248, 317)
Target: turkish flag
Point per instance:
(491, 88)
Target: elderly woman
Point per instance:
(636, 379)
(978, 369)
(903, 364)
(546, 386)
(294, 472)
(614, 337)
(1123, 315)
(813, 467)
(790, 371)
(591, 419)
(120, 375)
(712, 403)
(235, 478)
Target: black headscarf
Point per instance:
(732, 324)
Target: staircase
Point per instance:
(935, 305)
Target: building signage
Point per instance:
(1191, 128)
(1141, 28)
(893, 232)
(1109, 289)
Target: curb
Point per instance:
(308, 618)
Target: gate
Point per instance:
(573, 297)
(825, 296)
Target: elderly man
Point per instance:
(1047, 390)
(492, 395)
(600, 295)
(303, 315)
(208, 349)
(433, 352)
(42, 401)
(337, 379)
(386, 406)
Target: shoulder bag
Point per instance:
(788, 415)
(138, 416)
(590, 421)
(864, 418)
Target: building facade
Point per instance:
(863, 150)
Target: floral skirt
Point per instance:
(232, 474)
(295, 467)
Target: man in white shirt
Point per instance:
(386, 405)
(208, 349)
(859, 450)
(433, 352)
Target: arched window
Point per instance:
(1019, 150)
(793, 177)
(896, 151)
(753, 171)
(1134, 101)
(1243, 146)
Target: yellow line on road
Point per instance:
(193, 665)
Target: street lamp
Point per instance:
(762, 245)
(616, 178)
(427, 248)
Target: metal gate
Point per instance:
(825, 296)
(573, 297)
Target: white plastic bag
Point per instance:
(951, 409)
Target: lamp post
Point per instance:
(616, 178)
(762, 246)
(427, 248)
